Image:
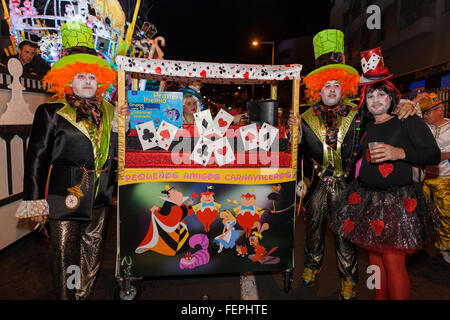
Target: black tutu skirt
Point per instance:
(400, 218)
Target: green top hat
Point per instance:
(78, 47)
(75, 33)
(78, 34)
(329, 51)
(329, 40)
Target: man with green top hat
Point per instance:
(331, 127)
(69, 167)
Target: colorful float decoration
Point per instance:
(112, 34)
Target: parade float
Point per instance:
(203, 198)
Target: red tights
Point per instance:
(394, 277)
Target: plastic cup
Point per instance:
(371, 145)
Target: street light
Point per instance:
(256, 43)
(273, 87)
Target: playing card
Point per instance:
(249, 136)
(166, 133)
(373, 61)
(266, 136)
(222, 121)
(371, 64)
(202, 151)
(204, 121)
(223, 152)
(147, 135)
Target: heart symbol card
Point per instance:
(223, 152)
(266, 136)
(249, 136)
(204, 122)
(147, 135)
(222, 121)
(166, 133)
(202, 151)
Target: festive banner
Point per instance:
(172, 70)
(156, 106)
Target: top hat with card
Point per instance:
(373, 67)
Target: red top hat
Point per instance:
(372, 64)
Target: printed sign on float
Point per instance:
(155, 106)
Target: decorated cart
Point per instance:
(207, 198)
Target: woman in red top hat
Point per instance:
(383, 210)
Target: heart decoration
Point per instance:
(377, 226)
(158, 70)
(194, 195)
(165, 134)
(410, 204)
(246, 75)
(249, 137)
(349, 225)
(354, 198)
(222, 123)
(386, 169)
(203, 74)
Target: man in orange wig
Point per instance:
(69, 167)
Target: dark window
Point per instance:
(365, 38)
(412, 10)
(388, 21)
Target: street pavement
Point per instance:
(25, 275)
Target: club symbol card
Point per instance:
(266, 136)
(204, 122)
(249, 136)
(223, 152)
(165, 134)
(222, 121)
(202, 151)
(147, 135)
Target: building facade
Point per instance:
(413, 36)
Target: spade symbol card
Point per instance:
(202, 151)
(147, 135)
(223, 152)
(222, 121)
(204, 122)
(165, 134)
(249, 136)
(266, 136)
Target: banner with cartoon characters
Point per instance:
(204, 221)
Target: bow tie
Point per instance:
(248, 208)
(86, 108)
(207, 204)
(342, 110)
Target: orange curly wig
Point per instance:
(59, 79)
(315, 82)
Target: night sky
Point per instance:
(221, 31)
